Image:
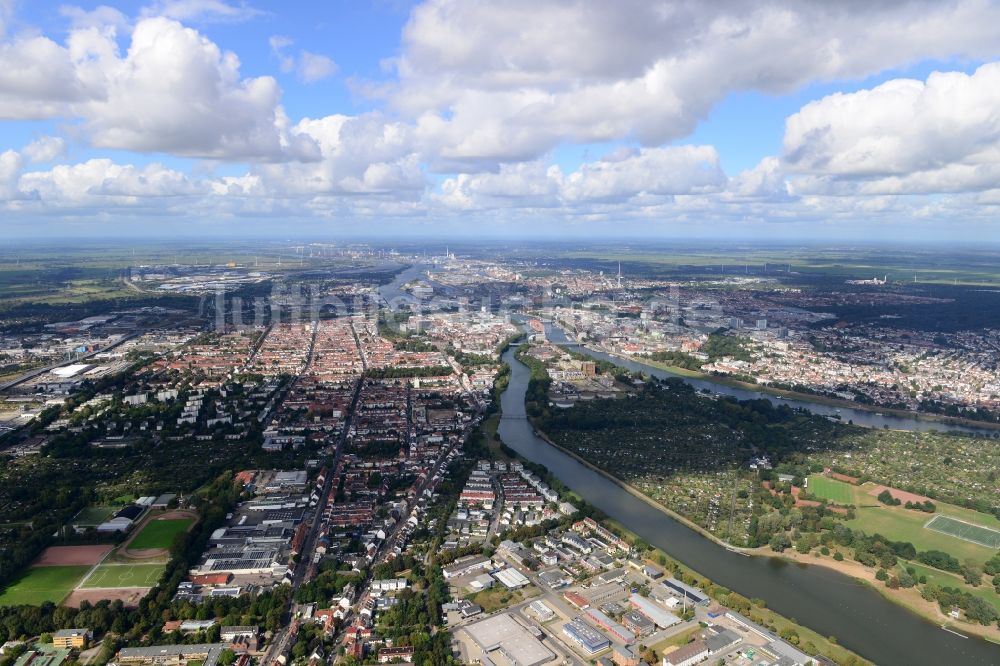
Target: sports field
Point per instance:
(124, 575)
(41, 584)
(830, 489)
(901, 524)
(64, 556)
(159, 533)
(984, 536)
(93, 515)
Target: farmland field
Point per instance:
(159, 533)
(827, 488)
(984, 536)
(41, 584)
(124, 575)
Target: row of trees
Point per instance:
(926, 506)
(976, 608)
(394, 372)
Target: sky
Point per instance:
(768, 119)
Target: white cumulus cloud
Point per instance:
(202, 10)
(315, 67)
(494, 81)
(904, 136)
(95, 180)
(172, 91)
(309, 67)
(638, 176)
(45, 149)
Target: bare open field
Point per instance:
(901, 495)
(129, 596)
(56, 556)
(901, 524)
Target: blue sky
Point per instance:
(581, 117)
(358, 36)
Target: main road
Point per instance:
(306, 568)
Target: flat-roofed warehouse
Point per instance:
(653, 611)
(242, 560)
(511, 578)
(503, 634)
(602, 594)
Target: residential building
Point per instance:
(390, 655)
(172, 655)
(72, 638)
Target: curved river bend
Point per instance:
(822, 599)
(860, 417)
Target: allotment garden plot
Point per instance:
(671, 446)
(983, 536)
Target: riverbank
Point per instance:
(826, 401)
(803, 397)
(638, 494)
(909, 599)
(834, 603)
(826, 645)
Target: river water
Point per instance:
(860, 417)
(394, 296)
(822, 599)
